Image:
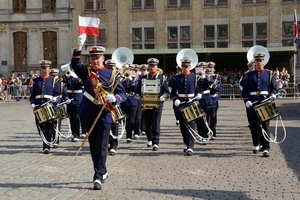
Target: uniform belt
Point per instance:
(214, 95)
(130, 94)
(186, 95)
(74, 91)
(91, 98)
(43, 96)
(206, 92)
(259, 93)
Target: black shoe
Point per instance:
(97, 185)
(154, 147)
(266, 153)
(255, 149)
(189, 152)
(46, 151)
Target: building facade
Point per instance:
(217, 30)
(34, 30)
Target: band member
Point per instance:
(144, 71)
(250, 68)
(130, 105)
(113, 141)
(152, 117)
(215, 91)
(99, 83)
(63, 93)
(171, 82)
(183, 89)
(45, 89)
(138, 116)
(258, 85)
(73, 85)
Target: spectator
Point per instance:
(17, 88)
(285, 78)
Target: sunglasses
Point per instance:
(259, 60)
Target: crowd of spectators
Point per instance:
(16, 86)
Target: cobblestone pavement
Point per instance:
(225, 168)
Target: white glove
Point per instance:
(162, 98)
(273, 97)
(81, 39)
(110, 98)
(54, 99)
(203, 76)
(248, 104)
(32, 105)
(68, 101)
(177, 102)
(199, 96)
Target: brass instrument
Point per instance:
(159, 71)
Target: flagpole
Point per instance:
(295, 45)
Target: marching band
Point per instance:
(115, 94)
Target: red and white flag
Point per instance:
(88, 25)
(295, 29)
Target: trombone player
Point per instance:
(101, 88)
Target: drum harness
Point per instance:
(56, 127)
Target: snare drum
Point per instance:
(61, 112)
(192, 111)
(266, 111)
(119, 112)
(44, 113)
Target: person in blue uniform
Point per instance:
(63, 93)
(241, 82)
(45, 89)
(205, 99)
(171, 82)
(152, 116)
(144, 71)
(113, 139)
(130, 105)
(215, 91)
(73, 86)
(99, 83)
(183, 89)
(258, 85)
(138, 116)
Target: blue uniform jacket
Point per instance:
(203, 87)
(215, 90)
(258, 86)
(74, 90)
(87, 108)
(131, 89)
(44, 89)
(183, 88)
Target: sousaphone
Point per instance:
(122, 56)
(188, 54)
(256, 49)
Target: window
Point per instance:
(247, 30)
(94, 5)
(247, 43)
(209, 44)
(102, 35)
(49, 5)
(149, 46)
(143, 37)
(137, 34)
(222, 2)
(185, 33)
(254, 1)
(19, 5)
(174, 39)
(209, 32)
(209, 2)
(100, 4)
(149, 34)
(20, 50)
(50, 47)
(223, 31)
(222, 44)
(142, 4)
(172, 46)
(178, 3)
(215, 2)
(185, 45)
(288, 29)
(262, 43)
(137, 46)
(137, 4)
(261, 30)
(288, 43)
(172, 32)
